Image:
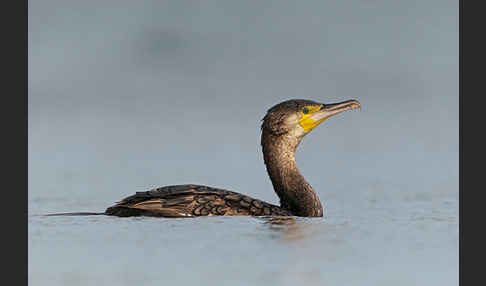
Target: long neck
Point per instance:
(296, 195)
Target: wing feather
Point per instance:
(191, 201)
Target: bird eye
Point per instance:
(305, 110)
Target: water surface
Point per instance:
(411, 243)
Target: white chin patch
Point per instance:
(298, 131)
(293, 125)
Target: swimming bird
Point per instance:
(283, 128)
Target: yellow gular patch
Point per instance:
(306, 121)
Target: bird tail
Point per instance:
(75, 214)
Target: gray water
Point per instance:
(412, 243)
(125, 96)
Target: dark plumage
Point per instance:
(191, 201)
(282, 128)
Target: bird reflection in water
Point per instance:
(287, 228)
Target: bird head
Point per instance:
(297, 117)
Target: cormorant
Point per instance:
(283, 127)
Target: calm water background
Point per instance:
(129, 95)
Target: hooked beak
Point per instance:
(328, 110)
